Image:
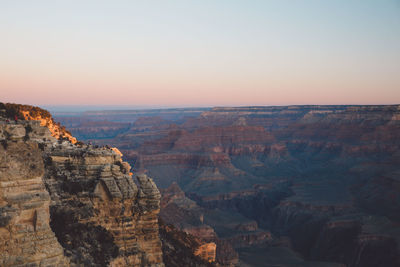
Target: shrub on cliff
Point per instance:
(13, 110)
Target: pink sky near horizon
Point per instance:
(215, 54)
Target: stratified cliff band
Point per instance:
(63, 203)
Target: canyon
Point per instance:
(286, 185)
(246, 186)
(65, 203)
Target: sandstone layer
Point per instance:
(25, 234)
(63, 203)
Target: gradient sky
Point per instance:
(200, 53)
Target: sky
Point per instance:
(199, 53)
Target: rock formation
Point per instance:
(26, 112)
(183, 249)
(185, 215)
(63, 203)
(25, 234)
(92, 192)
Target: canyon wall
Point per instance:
(25, 234)
(63, 203)
(321, 180)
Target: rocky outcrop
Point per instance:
(183, 249)
(206, 251)
(186, 216)
(249, 238)
(65, 204)
(203, 231)
(93, 192)
(26, 238)
(30, 113)
(183, 213)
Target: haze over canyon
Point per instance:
(306, 183)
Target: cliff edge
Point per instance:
(63, 203)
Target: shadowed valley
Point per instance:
(310, 183)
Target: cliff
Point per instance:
(63, 203)
(25, 234)
(185, 215)
(183, 249)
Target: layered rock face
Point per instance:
(25, 234)
(66, 204)
(179, 248)
(94, 194)
(187, 216)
